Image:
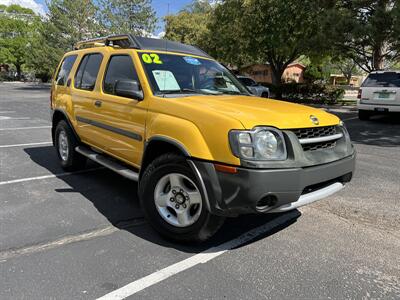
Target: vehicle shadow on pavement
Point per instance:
(116, 198)
(380, 130)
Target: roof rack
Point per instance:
(121, 40)
(136, 42)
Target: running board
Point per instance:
(108, 163)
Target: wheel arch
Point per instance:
(159, 145)
(57, 116)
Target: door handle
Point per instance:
(97, 103)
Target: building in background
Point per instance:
(262, 73)
(340, 79)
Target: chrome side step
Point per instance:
(108, 163)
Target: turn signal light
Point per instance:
(225, 169)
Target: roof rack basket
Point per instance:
(122, 41)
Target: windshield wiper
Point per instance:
(184, 91)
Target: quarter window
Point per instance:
(86, 75)
(120, 67)
(65, 69)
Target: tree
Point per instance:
(70, 21)
(273, 31)
(16, 35)
(127, 16)
(189, 26)
(366, 31)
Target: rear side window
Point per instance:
(120, 67)
(389, 79)
(65, 69)
(85, 78)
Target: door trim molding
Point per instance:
(129, 134)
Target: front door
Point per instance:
(120, 120)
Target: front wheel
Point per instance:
(173, 202)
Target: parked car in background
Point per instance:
(254, 87)
(379, 93)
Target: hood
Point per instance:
(255, 111)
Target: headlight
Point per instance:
(261, 143)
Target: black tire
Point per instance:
(205, 226)
(265, 95)
(364, 115)
(74, 161)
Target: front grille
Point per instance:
(319, 146)
(309, 133)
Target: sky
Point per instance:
(161, 7)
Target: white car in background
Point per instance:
(379, 93)
(255, 88)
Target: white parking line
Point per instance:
(48, 176)
(4, 118)
(201, 258)
(23, 128)
(25, 145)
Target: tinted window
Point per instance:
(247, 81)
(389, 79)
(120, 67)
(86, 75)
(65, 69)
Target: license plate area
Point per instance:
(381, 109)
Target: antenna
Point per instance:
(166, 49)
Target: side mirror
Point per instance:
(129, 89)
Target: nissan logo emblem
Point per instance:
(314, 119)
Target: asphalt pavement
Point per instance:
(83, 235)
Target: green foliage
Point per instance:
(308, 93)
(366, 32)
(189, 26)
(15, 8)
(16, 36)
(273, 31)
(127, 16)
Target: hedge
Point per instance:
(307, 93)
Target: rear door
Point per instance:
(85, 94)
(62, 81)
(381, 89)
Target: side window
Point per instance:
(85, 78)
(65, 69)
(120, 67)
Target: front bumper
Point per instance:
(270, 190)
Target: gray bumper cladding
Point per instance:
(270, 190)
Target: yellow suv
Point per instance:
(200, 146)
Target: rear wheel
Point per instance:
(66, 142)
(173, 202)
(364, 114)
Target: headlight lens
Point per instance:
(262, 143)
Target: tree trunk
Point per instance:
(378, 61)
(19, 71)
(277, 73)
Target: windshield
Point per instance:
(388, 79)
(176, 74)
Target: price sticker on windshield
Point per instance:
(151, 58)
